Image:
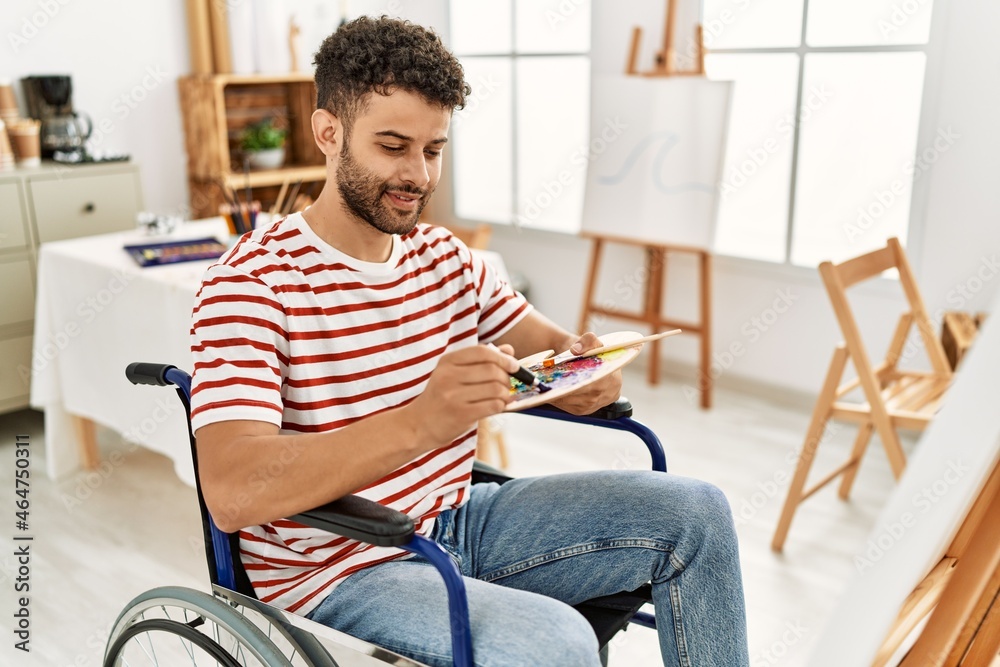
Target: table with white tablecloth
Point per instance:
(96, 312)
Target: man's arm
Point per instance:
(252, 475)
(535, 332)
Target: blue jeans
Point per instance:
(534, 546)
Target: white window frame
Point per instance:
(933, 50)
(513, 56)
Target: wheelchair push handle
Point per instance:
(141, 372)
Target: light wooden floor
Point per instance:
(101, 539)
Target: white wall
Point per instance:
(124, 57)
(960, 257)
(954, 225)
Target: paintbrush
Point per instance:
(526, 377)
(241, 224)
(569, 356)
(249, 195)
(234, 203)
(290, 202)
(279, 202)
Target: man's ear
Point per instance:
(328, 133)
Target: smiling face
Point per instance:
(390, 160)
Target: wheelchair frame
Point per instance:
(356, 518)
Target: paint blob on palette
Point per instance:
(573, 375)
(565, 375)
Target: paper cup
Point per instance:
(6, 154)
(8, 103)
(27, 144)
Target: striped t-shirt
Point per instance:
(288, 330)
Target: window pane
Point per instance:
(737, 24)
(483, 139)
(855, 22)
(856, 149)
(552, 26)
(753, 200)
(480, 26)
(551, 147)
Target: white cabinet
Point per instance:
(49, 203)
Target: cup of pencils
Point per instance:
(240, 218)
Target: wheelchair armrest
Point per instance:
(360, 519)
(620, 408)
(483, 472)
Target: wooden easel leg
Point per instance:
(489, 438)
(699, 36)
(633, 53)
(928, 592)
(983, 651)
(978, 617)
(484, 441)
(705, 284)
(653, 305)
(821, 414)
(502, 448)
(966, 602)
(588, 294)
(915, 608)
(669, 64)
(857, 452)
(86, 436)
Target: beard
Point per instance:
(362, 193)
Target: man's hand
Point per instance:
(596, 395)
(467, 385)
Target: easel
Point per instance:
(666, 59)
(656, 254)
(963, 590)
(652, 299)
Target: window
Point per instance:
(834, 178)
(513, 159)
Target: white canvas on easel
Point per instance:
(954, 457)
(657, 148)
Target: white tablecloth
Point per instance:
(96, 312)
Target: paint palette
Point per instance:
(572, 375)
(154, 254)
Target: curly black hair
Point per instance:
(382, 55)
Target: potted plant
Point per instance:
(264, 144)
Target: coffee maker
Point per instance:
(50, 100)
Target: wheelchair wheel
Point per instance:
(173, 626)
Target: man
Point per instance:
(342, 350)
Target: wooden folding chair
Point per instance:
(894, 398)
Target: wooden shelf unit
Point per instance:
(215, 109)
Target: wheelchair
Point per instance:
(230, 627)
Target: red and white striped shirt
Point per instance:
(288, 330)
